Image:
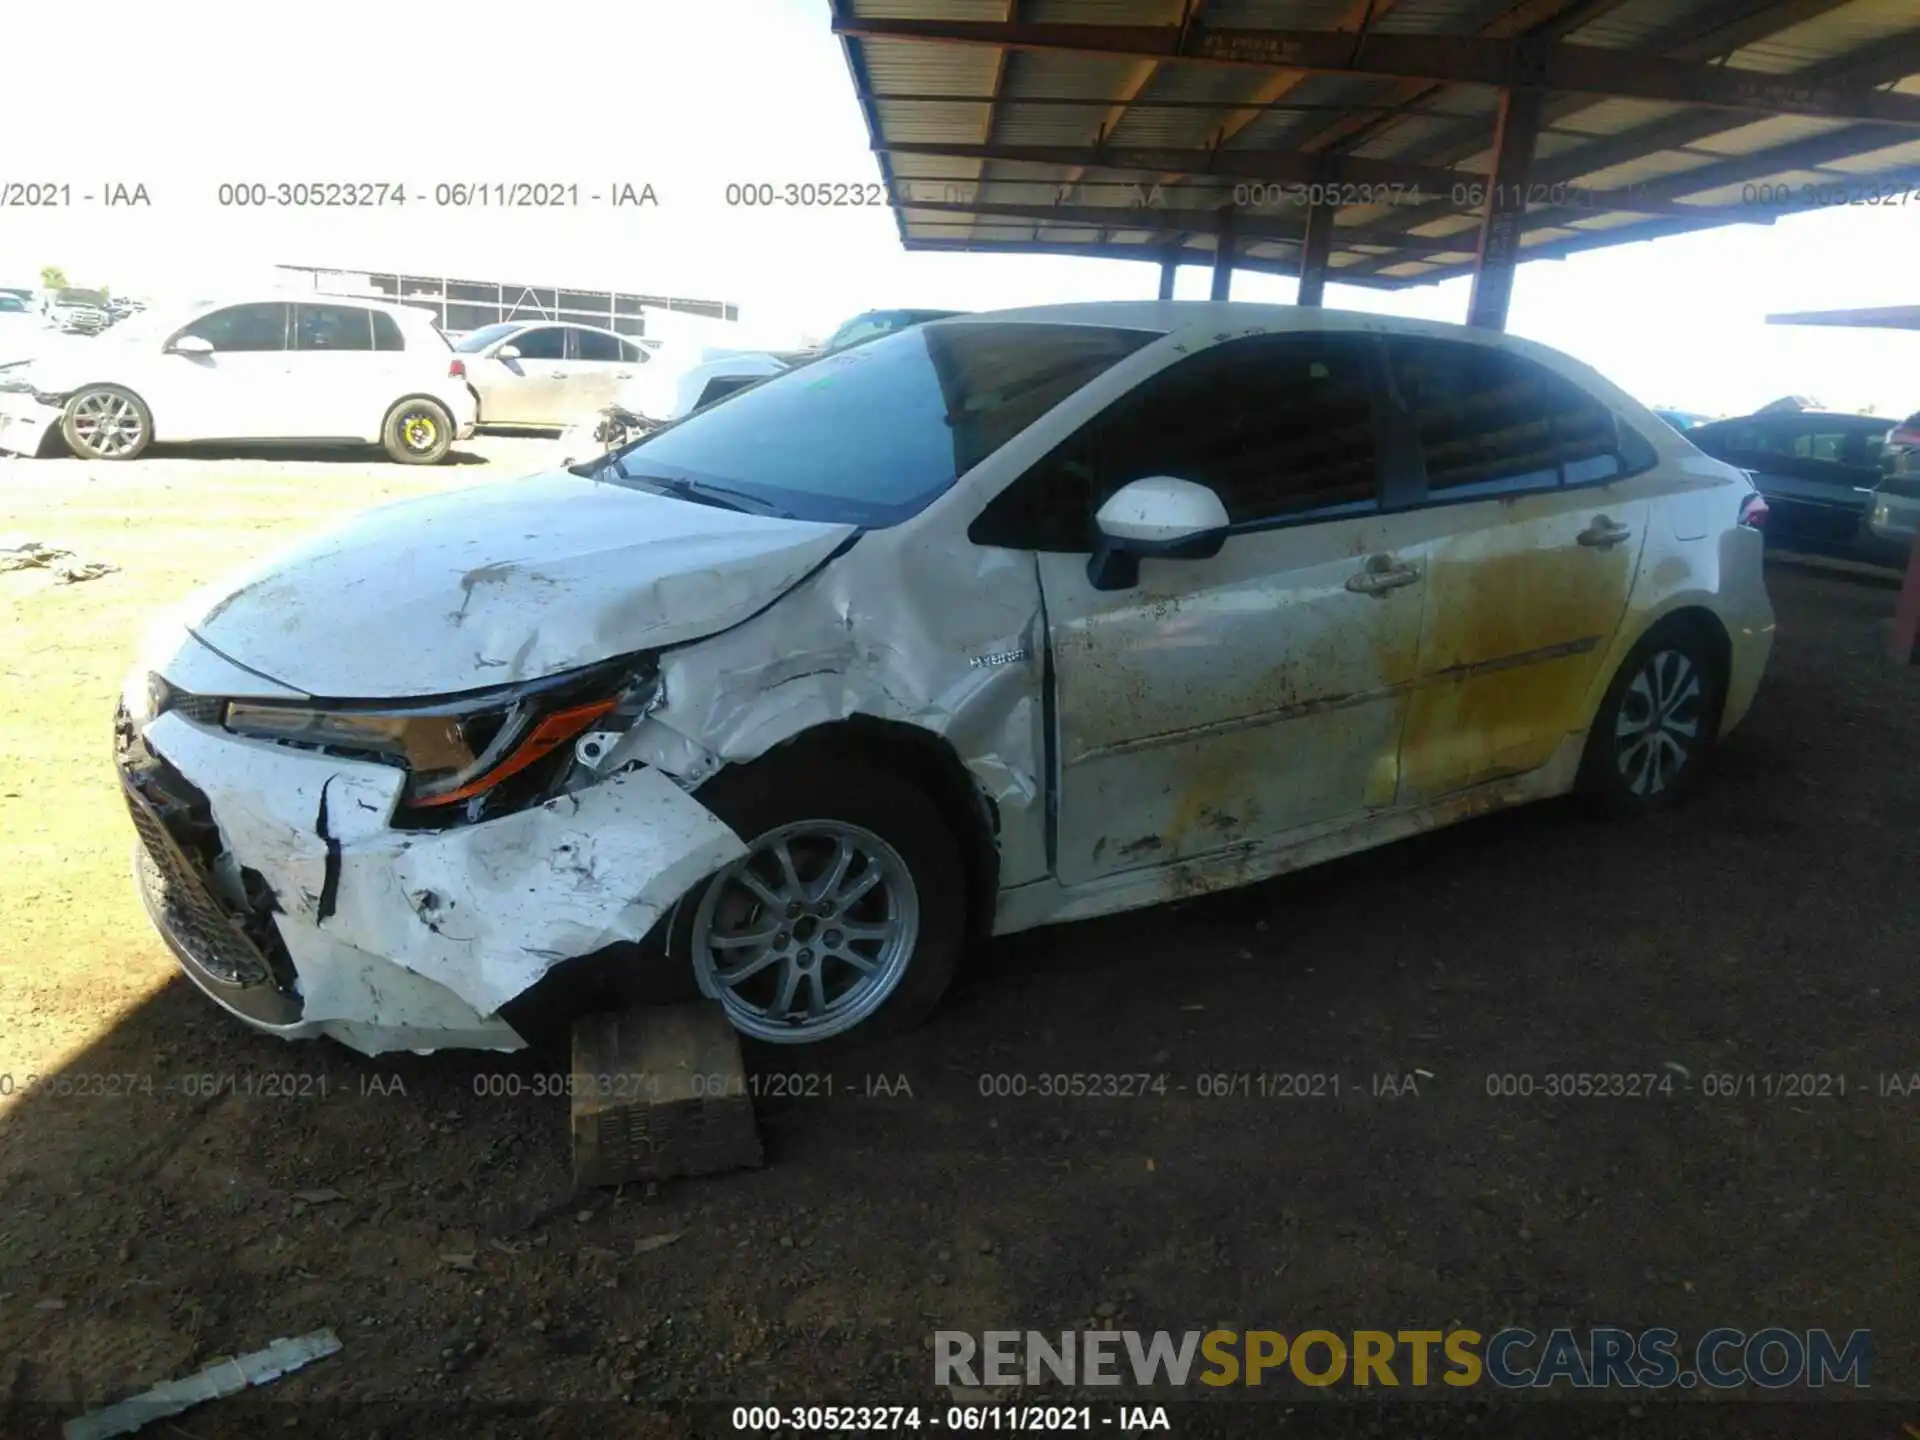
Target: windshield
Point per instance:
(873, 435)
(479, 339)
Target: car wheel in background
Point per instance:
(1657, 724)
(846, 918)
(105, 422)
(417, 432)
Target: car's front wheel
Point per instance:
(417, 432)
(1657, 723)
(845, 919)
(105, 422)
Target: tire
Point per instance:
(916, 908)
(1636, 762)
(417, 432)
(106, 422)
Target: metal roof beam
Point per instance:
(1246, 225)
(1464, 60)
(1138, 254)
(1350, 179)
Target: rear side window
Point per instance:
(633, 354)
(386, 332)
(331, 327)
(592, 345)
(242, 328)
(1490, 423)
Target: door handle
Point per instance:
(556, 374)
(1380, 576)
(1603, 534)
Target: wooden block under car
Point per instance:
(659, 1090)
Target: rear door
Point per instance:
(240, 391)
(1259, 693)
(526, 388)
(1535, 529)
(598, 366)
(342, 384)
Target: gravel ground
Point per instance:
(1764, 929)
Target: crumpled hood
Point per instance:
(501, 583)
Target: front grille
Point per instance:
(196, 919)
(206, 709)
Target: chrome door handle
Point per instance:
(1603, 534)
(1380, 578)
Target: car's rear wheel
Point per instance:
(846, 918)
(417, 432)
(1657, 724)
(106, 422)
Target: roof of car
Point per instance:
(1781, 417)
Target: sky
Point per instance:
(692, 97)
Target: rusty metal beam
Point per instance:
(1454, 59)
(1499, 252)
(1192, 222)
(1315, 251)
(1294, 178)
(1137, 254)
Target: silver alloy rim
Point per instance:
(107, 424)
(1658, 726)
(808, 934)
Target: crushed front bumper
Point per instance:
(24, 422)
(275, 878)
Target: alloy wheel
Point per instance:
(809, 933)
(107, 424)
(1658, 728)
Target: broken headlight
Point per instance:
(471, 755)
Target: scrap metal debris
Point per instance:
(229, 1377)
(32, 555)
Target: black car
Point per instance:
(1816, 468)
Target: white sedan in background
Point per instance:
(321, 370)
(542, 374)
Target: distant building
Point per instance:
(463, 305)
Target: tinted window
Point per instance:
(386, 332)
(244, 327)
(549, 342)
(592, 345)
(12, 304)
(1823, 445)
(1277, 426)
(864, 327)
(331, 327)
(478, 340)
(633, 354)
(872, 436)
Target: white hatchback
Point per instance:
(1001, 621)
(322, 370)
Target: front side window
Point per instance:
(545, 342)
(332, 327)
(242, 328)
(1279, 427)
(873, 435)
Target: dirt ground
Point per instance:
(151, 1224)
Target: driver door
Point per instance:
(1222, 702)
(242, 391)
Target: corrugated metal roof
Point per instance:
(981, 103)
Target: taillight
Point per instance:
(1753, 512)
(456, 369)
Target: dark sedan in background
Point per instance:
(1818, 470)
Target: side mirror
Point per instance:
(507, 352)
(1160, 516)
(192, 345)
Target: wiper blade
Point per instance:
(701, 492)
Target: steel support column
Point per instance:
(1169, 267)
(1223, 256)
(1314, 254)
(1506, 208)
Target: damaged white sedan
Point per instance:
(1005, 620)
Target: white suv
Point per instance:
(274, 369)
